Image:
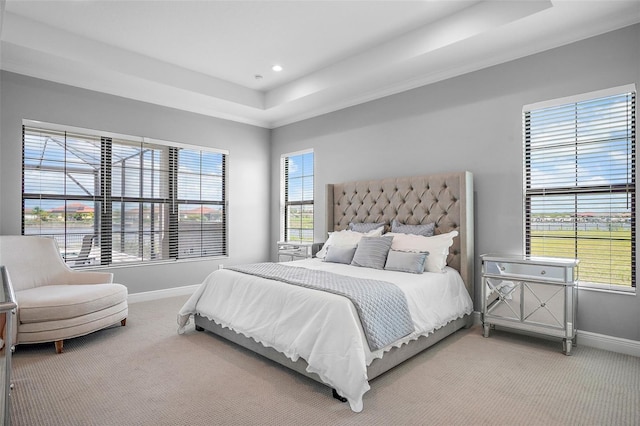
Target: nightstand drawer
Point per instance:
(531, 271)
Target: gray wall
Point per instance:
(248, 192)
(472, 122)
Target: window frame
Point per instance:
(284, 196)
(627, 189)
(167, 233)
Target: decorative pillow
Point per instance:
(365, 227)
(426, 229)
(404, 261)
(437, 247)
(372, 252)
(345, 238)
(340, 254)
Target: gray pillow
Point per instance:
(404, 261)
(426, 229)
(340, 254)
(364, 227)
(372, 252)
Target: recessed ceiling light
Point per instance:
(276, 68)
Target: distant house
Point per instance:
(203, 212)
(29, 215)
(73, 209)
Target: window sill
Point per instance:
(601, 288)
(149, 263)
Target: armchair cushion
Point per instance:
(59, 302)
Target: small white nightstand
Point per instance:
(294, 250)
(536, 294)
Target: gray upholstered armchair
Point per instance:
(55, 302)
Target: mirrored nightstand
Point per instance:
(295, 250)
(536, 294)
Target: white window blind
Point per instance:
(579, 172)
(200, 202)
(113, 200)
(298, 197)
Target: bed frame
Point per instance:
(445, 199)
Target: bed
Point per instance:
(319, 333)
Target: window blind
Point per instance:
(298, 197)
(137, 201)
(200, 203)
(579, 173)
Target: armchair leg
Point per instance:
(59, 343)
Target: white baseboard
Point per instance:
(161, 294)
(609, 343)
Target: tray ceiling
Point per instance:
(204, 56)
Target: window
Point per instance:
(579, 184)
(112, 199)
(298, 196)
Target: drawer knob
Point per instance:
(502, 268)
(543, 272)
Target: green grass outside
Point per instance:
(298, 221)
(604, 255)
(303, 222)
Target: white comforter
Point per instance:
(300, 322)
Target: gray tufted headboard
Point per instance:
(446, 199)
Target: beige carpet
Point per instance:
(147, 374)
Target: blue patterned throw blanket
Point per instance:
(381, 305)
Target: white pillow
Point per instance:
(437, 247)
(346, 238)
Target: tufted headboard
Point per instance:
(445, 199)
